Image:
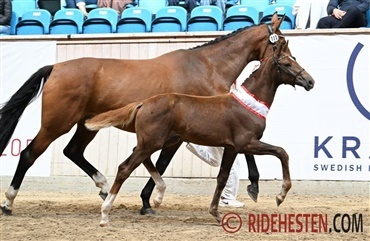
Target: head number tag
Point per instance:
(274, 38)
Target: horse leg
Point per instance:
(260, 148)
(124, 171)
(160, 186)
(163, 161)
(74, 151)
(253, 176)
(226, 164)
(27, 157)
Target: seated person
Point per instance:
(308, 13)
(80, 4)
(5, 16)
(191, 4)
(118, 5)
(219, 3)
(345, 14)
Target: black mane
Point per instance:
(223, 37)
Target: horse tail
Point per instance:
(119, 117)
(11, 111)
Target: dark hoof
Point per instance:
(6, 211)
(252, 192)
(278, 201)
(147, 211)
(103, 195)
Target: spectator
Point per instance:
(80, 4)
(219, 3)
(309, 12)
(118, 5)
(345, 14)
(5, 16)
(191, 4)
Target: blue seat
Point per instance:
(289, 20)
(153, 5)
(205, 18)
(100, 20)
(286, 2)
(34, 22)
(67, 21)
(170, 19)
(240, 16)
(230, 3)
(261, 5)
(22, 6)
(135, 20)
(368, 18)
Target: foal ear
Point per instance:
(276, 22)
(279, 48)
(285, 47)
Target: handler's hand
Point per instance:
(338, 14)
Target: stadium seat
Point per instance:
(100, 20)
(22, 6)
(368, 18)
(170, 19)
(34, 22)
(135, 20)
(230, 3)
(286, 2)
(261, 5)
(289, 20)
(153, 5)
(67, 21)
(205, 18)
(240, 16)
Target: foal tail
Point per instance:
(119, 117)
(11, 111)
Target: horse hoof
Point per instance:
(279, 201)
(147, 211)
(104, 224)
(6, 211)
(103, 195)
(252, 192)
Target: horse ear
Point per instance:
(279, 48)
(276, 22)
(285, 45)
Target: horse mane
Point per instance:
(223, 37)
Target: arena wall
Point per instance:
(325, 131)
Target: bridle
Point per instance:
(273, 39)
(280, 67)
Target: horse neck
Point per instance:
(230, 55)
(263, 83)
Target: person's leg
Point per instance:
(191, 4)
(318, 11)
(209, 154)
(173, 2)
(230, 192)
(82, 6)
(302, 14)
(327, 22)
(352, 19)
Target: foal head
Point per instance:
(282, 68)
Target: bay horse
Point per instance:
(77, 89)
(234, 120)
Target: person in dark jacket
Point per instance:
(345, 14)
(5, 16)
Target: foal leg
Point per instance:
(261, 148)
(253, 176)
(160, 186)
(163, 161)
(226, 164)
(124, 171)
(74, 151)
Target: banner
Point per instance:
(19, 60)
